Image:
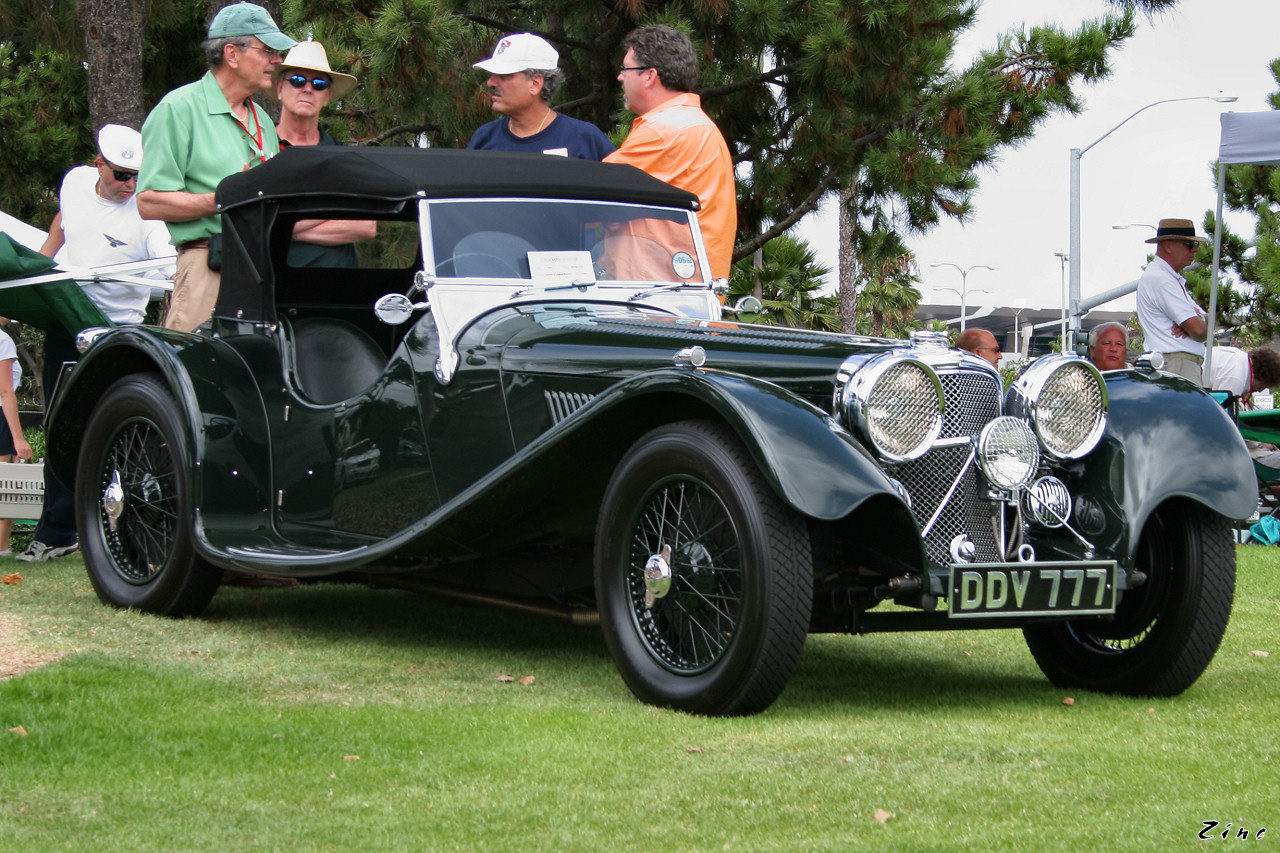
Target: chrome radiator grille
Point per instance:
(972, 399)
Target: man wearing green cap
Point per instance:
(196, 136)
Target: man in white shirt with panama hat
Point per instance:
(1172, 323)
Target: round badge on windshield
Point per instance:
(682, 264)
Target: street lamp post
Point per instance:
(964, 284)
(1073, 250)
(1063, 258)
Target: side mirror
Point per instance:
(396, 308)
(745, 305)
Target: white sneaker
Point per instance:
(38, 552)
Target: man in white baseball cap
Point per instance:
(524, 75)
(97, 224)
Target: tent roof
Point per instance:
(1251, 138)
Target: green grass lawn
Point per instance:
(337, 718)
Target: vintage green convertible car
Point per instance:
(527, 394)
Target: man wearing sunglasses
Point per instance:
(1172, 323)
(304, 85)
(97, 224)
(196, 136)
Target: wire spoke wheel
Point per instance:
(133, 506)
(1166, 631)
(703, 576)
(690, 626)
(141, 537)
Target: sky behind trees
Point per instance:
(1157, 165)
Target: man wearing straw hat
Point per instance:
(1172, 323)
(304, 85)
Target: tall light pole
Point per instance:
(1063, 258)
(964, 284)
(1073, 250)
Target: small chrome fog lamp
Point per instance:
(1047, 502)
(1008, 453)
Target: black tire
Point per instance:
(726, 637)
(1165, 632)
(143, 556)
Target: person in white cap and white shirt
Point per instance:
(97, 224)
(524, 75)
(305, 84)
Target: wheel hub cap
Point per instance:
(657, 576)
(113, 499)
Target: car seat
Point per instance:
(334, 360)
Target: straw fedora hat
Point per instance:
(1175, 229)
(311, 56)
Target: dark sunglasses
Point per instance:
(297, 81)
(123, 176)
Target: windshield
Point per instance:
(553, 242)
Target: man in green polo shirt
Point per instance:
(196, 136)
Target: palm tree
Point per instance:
(790, 281)
(887, 298)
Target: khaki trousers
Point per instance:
(195, 291)
(1185, 365)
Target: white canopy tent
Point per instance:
(1246, 138)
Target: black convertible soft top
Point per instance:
(325, 172)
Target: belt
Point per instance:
(1198, 359)
(202, 243)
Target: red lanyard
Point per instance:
(257, 138)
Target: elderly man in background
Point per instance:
(524, 76)
(1172, 323)
(673, 139)
(981, 343)
(1109, 346)
(199, 134)
(305, 84)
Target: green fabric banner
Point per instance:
(54, 306)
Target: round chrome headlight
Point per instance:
(1065, 400)
(1008, 453)
(895, 402)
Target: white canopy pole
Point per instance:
(1213, 278)
(1246, 138)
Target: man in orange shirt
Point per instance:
(673, 139)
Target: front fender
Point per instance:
(811, 461)
(1174, 441)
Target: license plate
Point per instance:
(1031, 589)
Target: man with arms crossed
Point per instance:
(1172, 322)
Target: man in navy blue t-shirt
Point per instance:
(523, 76)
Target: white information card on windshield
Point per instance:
(552, 268)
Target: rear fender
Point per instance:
(225, 424)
